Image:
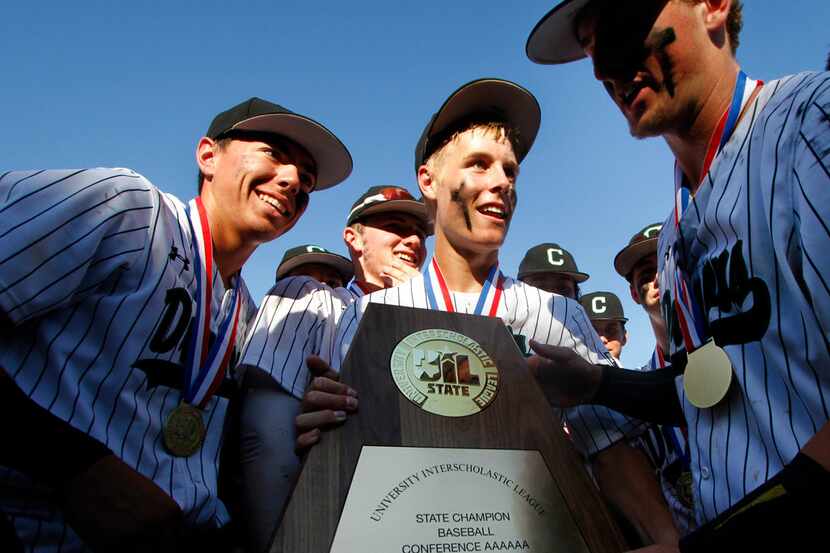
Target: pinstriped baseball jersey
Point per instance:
(96, 272)
(529, 313)
(754, 242)
(297, 318)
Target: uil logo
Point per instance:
(445, 372)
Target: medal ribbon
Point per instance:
(689, 314)
(440, 299)
(206, 365)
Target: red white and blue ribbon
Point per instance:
(440, 298)
(689, 314)
(206, 364)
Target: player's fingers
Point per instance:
(325, 384)
(318, 367)
(306, 422)
(315, 400)
(307, 439)
(554, 353)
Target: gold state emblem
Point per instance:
(445, 373)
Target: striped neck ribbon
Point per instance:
(689, 314)
(440, 299)
(206, 364)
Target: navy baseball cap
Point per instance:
(550, 258)
(483, 99)
(641, 244)
(553, 40)
(334, 162)
(603, 306)
(311, 253)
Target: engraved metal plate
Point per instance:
(445, 372)
(427, 500)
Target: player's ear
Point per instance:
(715, 14)
(206, 157)
(625, 336)
(353, 240)
(427, 182)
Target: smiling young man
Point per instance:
(467, 162)
(125, 307)
(742, 260)
(385, 233)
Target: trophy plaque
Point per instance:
(454, 449)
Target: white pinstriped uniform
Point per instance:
(88, 260)
(755, 242)
(297, 318)
(529, 313)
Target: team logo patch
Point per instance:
(445, 373)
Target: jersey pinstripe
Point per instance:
(297, 318)
(754, 242)
(528, 312)
(96, 272)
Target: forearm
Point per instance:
(650, 396)
(627, 480)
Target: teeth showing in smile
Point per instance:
(494, 211)
(273, 202)
(407, 258)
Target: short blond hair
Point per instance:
(497, 129)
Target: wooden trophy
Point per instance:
(454, 449)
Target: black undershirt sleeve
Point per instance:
(650, 396)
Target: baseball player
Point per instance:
(126, 307)
(385, 233)
(467, 163)
(326, 267)
(742, 264)
(552, 268)
(605, 311)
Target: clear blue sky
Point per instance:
(136, 84)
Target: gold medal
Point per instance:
(184, 430)
(707, 376)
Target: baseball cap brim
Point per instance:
(334, 162)
(577, 276)
(411, 207)
(553, 39)
(338, 262)
(510, 103)
(629, 256)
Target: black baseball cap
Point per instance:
(383, 199)
(311, 253)
(491, 99)
(641, 244)
(550, 258)
(553, 39)
(603, 306)
(334, 163)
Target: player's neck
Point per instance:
(230, 250)
(367, 281)
(464, 271)
(691, 142)
(660, 334)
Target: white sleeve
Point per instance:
(346, 329)
(64, 234)
(289, 327)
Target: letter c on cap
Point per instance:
(651, 231)
(599, 304)
(559, 259)
(311, 249)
